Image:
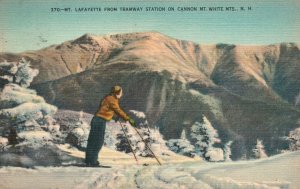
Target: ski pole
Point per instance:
(147, 145)
(137, 162)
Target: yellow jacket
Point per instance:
(109, 107)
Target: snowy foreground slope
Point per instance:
(281, 171)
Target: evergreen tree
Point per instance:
(124, 143)
(152, 137)
(294, 139)
(259, 151)
(203, 137)
(227, 151)
(183, 135)
(19, 73)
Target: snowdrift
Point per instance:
(278, 172)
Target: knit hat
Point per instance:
(116, 90)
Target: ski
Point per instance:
(84, 165)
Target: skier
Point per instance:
(109, 107)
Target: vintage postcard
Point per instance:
(125, 94)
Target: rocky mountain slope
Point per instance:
(247, 92)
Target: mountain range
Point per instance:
(247, 92)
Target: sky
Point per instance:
(30, 25)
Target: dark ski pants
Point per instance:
(95, 140)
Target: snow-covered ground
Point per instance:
(281, 171)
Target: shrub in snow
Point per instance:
(158, 145)
(25, 115)
(36, 139)
(227, 151)
(29, 113)
(152, 137)
(294, 139)
(259, 150)
(181, 146)
(51, 126)
(214, 154)
(134, 141)
(79, 134)
(13, 95)
(76, 129)
(3, 143)
(126, 141)
(203, 137)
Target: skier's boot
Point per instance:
(96, 164)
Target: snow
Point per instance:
(37, 138)
(277, 172)
(227, 151)
(21, 70)
(29, 110)
(24, 73)
(297, 100)
(215, 154)
(138, 113)
(3, 142)
(259, 151)
(194, 92)
(15, 93)
(181, 146)
(294, 138)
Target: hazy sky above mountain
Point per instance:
(30, 25)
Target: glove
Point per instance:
(132, 122)
(117, 119)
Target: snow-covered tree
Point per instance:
(182, 145)
(28, 128)
(152, 137)
(203, 137)
(259, 150)
(126, 141)
(158, 144)
(21, 108)
(294, 139)
(140, 118)
(142, 150)
(227, 151)
(18, 72)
